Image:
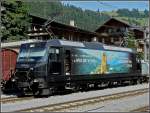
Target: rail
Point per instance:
(14, 99)
(77, 103)
(142, 109)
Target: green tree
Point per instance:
(124, 12)
(146, 13)
(131, 42)
(65, 12)
(15, 20)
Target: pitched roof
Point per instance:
(113, 19)
(60, 26)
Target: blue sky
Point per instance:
(109, 5)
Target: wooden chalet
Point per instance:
(58, 30)
(113, 32)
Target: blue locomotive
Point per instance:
(48, 66)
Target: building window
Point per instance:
(112, 39)
(109, 30)
(103, 40)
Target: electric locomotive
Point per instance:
(44, 67)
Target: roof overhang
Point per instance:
(113, 19)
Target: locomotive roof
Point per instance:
(88, 45)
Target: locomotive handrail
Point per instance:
(14, 72)
(28, 78)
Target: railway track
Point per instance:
(78, 103)
(14, 99)
(142, 109)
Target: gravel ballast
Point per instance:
(123, 105)
(64, 98)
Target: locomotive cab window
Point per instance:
(32, 53)
(54, 61)
(54, 54)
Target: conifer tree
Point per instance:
(14, 20)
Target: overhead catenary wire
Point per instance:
(76, 29)
(50, 20)
(108, 26)
(79, 31)
(106, 4)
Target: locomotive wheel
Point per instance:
(46, 92)
(21, 93)
(146, 79)
(119, 83)
(138, 81)
(141, 81)
(85, 87)
(96, 86)
(61, 88)
(36, 92)
(43, 92)
(110, 84)
(132, 82)
(76, 88)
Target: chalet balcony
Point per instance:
(37, 32)
(112, 34)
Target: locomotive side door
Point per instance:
(67, 62)
(54, 61)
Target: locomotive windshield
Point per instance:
(32, 53)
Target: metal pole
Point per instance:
(1, 54)
(145, 48)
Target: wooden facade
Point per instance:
(114, 31)
(36, 30)
(58, 30)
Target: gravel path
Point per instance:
(63, 98)
(123, 105)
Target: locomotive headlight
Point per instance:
(35, 80)
(13, 80)
(31, 69)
